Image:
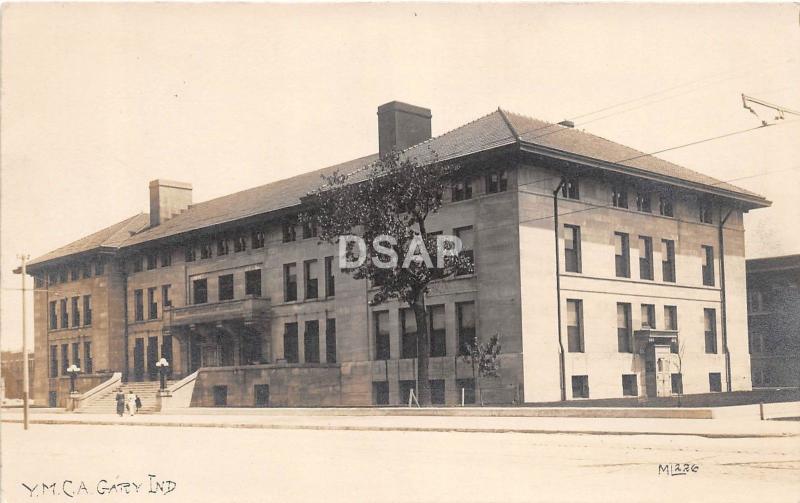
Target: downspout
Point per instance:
(723, 303)
(561, 364)
(125, 323)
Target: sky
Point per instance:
(99, 99)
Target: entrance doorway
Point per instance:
(152, 358)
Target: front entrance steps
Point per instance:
(107, 404)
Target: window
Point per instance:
(380, 392)
(53, 316)
(52, 278)
(462, 190)
(312, 283)
(643, 202)
(200, 291)
(677, 384)
(619, 197)
(99, 268)
(240, 243)
(289, 232)
(714, 382)
(405, 390)
(437, 330)
(309, 230)
(408, 333)
(630, 386)
(220, 393)
(138, 305)
(62, 275)
(165, 300)
(622, 259)
(87, 310)
(648, 316)
(665, 206)
(330, 340)
(291, 352)
(257, 239)
(645, 257)
(382, 335)
(191, 254)
(497, 182)
(86, 270)
(76, 354)
(569, 189)
(64, 315)
(710, 328)
(671, 317)
(708, 265)
(223, 246)
(137, 264)
(166, 258)
(252, 282)
(289, 282)
(705, 211)
(74, 274)
(76, 313)
(437, 391)
(64, 358)
(38, 282)
(580, 386)
(226, 287)
(624, 333)
(205, 251)
(152, 305)
(467, 237)
(311, 342)
(261, 395)
(465, 313)
(572, 248)
(54, 360)
(574, 326)
(668, 260)
(466, 388)
(151, 260)
(330, 279)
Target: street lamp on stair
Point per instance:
(73, 371)
(163, 366)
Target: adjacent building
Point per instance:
(11, 373)
(773, 308)
(606, 273)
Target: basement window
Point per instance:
(630, 385)
(580, 386)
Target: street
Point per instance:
(200, 464)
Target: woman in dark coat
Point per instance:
(120, 402)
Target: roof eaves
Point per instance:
(755, 201)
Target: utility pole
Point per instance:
(25, 379)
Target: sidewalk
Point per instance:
(718, 428)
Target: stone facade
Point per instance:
(263, 312)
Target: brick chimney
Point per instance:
(167, 199)
(401, 125)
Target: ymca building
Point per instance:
(604, 271)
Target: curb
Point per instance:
(433, 429)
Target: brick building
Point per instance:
(773, 307)
(11, 372)
(649, 298)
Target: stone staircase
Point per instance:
(107, 403)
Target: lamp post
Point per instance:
(73, 371)
(163, 366)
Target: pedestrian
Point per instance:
(130, 403)
(138, 403)
(120, 402)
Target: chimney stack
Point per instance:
(167, 199)
(401, 125)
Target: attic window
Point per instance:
(223, 247)
(706, 211)
(289, 232)
(643, 202)
(569, 189)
